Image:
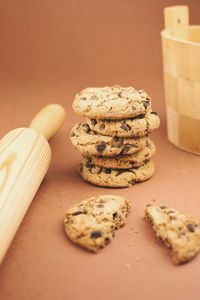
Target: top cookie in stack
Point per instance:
(111, 103)
(114, 139)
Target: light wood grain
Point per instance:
(49, 120)
(177, 21)
(181, 61)
(24, 160)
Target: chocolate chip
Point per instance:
(118, 142)
(125, 127)
(140, 91)
(120, 94)
(163, 207)
(72, 134)
(146, 104)
(102, 126)
(105, 219)
(138, 166)
(102, 201)
(93, 122)
(191, 227)
(107, 241)
(84, 99)
(126, 149)
(100, 205)
(96, 234)
(88, 160)
(107, 171)
(76, 213)
(154, 113)
(146, 161)
(148, 144)
(115, 215)
(86, 128)
(100, 147)
(88, 164)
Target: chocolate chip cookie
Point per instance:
(92, 222)
(113, 102)
(113, 177)
(90, 143)
(134, 127)
(126, 161)
(179, 231)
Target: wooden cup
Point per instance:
(181, 60)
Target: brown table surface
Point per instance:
(49, 51)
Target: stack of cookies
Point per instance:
(113, 140)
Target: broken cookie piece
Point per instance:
(91, 223)
(178, 230)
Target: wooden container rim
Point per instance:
(166, 34)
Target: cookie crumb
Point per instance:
(128, 265)
(137, 258)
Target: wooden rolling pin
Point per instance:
(24, 159)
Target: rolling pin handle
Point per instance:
(48, 120)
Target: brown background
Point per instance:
(50, 49)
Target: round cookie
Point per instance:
(126, 161)
(113, 102)
(134, 127)
(92, 222)
(114, 177)
(90, 143)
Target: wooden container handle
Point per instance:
(48, 120)
(177, 21)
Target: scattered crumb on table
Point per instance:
(137, 258)
(128, 265)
